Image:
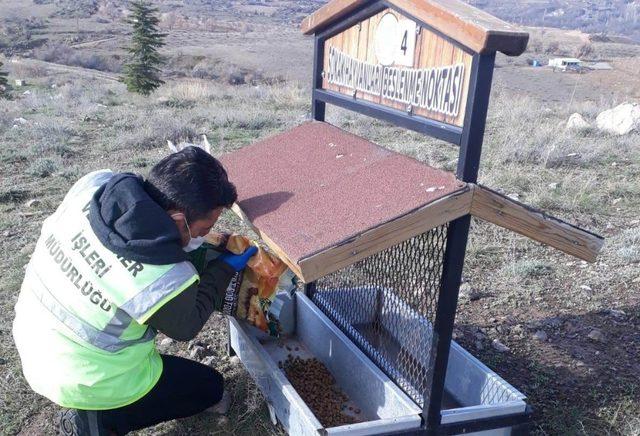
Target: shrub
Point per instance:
(43, 167)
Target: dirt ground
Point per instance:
(572, 330)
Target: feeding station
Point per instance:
(379, 238)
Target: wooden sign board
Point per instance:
(391, 60)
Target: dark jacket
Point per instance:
(131, 224)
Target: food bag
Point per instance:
(252, 291)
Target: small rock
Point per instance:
(465, 288)
(7, 234)
(457, 334)
(26, 92)
(596, 335)
(514, 196)
(166, 342)
(616, 201)
(577, 122)
(541, 336)
(479, 345)
(475, 295)
(517, 329)
(616, 313)
(222, 421)
(208, 360)
(554, 322)
(553, 185)
(20, 120)
(235, 360)
(499, 346)
(32, 203)
(197, 352)
(585, 288)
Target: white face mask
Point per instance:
(194, 243)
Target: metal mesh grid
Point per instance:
(386, 304)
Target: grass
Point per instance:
(589, 178)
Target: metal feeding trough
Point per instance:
(472, 390)
(379, 238)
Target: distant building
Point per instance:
(565, 64)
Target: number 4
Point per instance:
(403, 45)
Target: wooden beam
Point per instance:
(510, 214)
(386, 235)
(471, 27)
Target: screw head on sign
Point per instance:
(409, 109)
(418, 30)
(322, 74)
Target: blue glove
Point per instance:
(238, 261)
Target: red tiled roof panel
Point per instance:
(316, 186)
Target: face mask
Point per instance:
(194, 243)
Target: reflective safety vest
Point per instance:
(79, 325)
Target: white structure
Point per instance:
(564, 64)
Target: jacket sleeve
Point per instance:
(183, 317)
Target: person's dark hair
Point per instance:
(192, 181)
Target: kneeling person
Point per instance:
(109, 270)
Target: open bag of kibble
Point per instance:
(251, 291)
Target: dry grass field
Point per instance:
(67, 122)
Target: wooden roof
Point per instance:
(460, 21)
(323, 199)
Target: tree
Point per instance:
(4, 83)
(142, 70)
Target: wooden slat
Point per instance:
(510, 214)
(478, 30)
(386, 235)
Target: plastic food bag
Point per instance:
(251, 292)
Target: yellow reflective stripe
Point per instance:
(169, 297)
(101, 339)
(165, 287)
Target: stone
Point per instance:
(586, 288)
(235, 360)
(553, 186)
(197, 352)
(621, 120)
(596, 335)
(577, 122)
(541, 336)
(554, 322)
(475, 295)
(208, 360)
(222, 421)
(166, 342)
(20, 120)
(616, 313)
(32, 203)
(499, 346)
(7, 234)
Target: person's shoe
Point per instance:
(72, 422)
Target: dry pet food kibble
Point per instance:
(317, 387)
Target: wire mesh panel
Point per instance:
(386, 304)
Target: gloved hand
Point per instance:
(238, 261)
